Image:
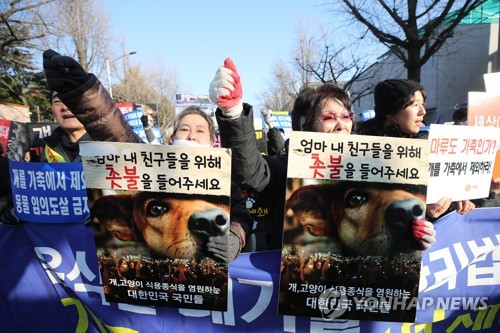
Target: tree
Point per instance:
(316, 60)
(286, 81)
(281, 89)
(80, 29)
(413, 31)
(21, 26)
(154, 86)
(337, 65)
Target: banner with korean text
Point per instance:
(51, 283)
(49, 192)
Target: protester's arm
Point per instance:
(463, 206)
(445, 205)
(148, 129)
(276, 142)
(87, 99)
(237, 131)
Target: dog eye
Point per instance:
(355, 198)
(156, 208)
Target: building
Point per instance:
(452, 72)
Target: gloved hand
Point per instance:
(424, 233)
(145, 121)
(63, 73)
(225, 248)
(225, 90)
(268, 115)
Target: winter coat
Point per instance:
(96, 110)
(264, 175)
(370, 127)
(275, 142)
(59, 148)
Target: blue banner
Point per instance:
(50, 283)
(49, 192)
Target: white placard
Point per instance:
(461, 161)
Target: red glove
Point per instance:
(225, 90)
(424, 233)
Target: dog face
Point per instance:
(365, 218)
(174, 226)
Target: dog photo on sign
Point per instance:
(152, 247)
(359, 218)
(171, 225)
(350, 235)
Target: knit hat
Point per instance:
(392, 95)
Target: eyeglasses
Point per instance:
(326, 117)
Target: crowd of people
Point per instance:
(85, 111)
(121, 273)
(303, 276)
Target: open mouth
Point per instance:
(68, 116)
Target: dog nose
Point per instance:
(210, 222)
(403, 213)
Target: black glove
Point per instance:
(226, 248)
(145, 121)
(63, 73)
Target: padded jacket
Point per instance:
(264, 175)
(96, 110)
(56, 151)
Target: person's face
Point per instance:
(194, 127)
(334, 118)
(411, 118)
(64, 117)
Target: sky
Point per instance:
(194, 37)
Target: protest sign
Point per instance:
(51, 276)
(36, 133)
(14, 139)
(49, 192)
(153, 209)
(484, 111)
(352, 253)
(492, 82)
(461, 160)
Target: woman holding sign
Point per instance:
(399, 112)
(92, 105)
(325, 108)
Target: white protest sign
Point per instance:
(461, 161)
(492, 82)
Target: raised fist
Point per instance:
(267, 114)
(63, 73)
(225, 90)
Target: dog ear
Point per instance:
(315, 200)
(311, 197)
(114, 213)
